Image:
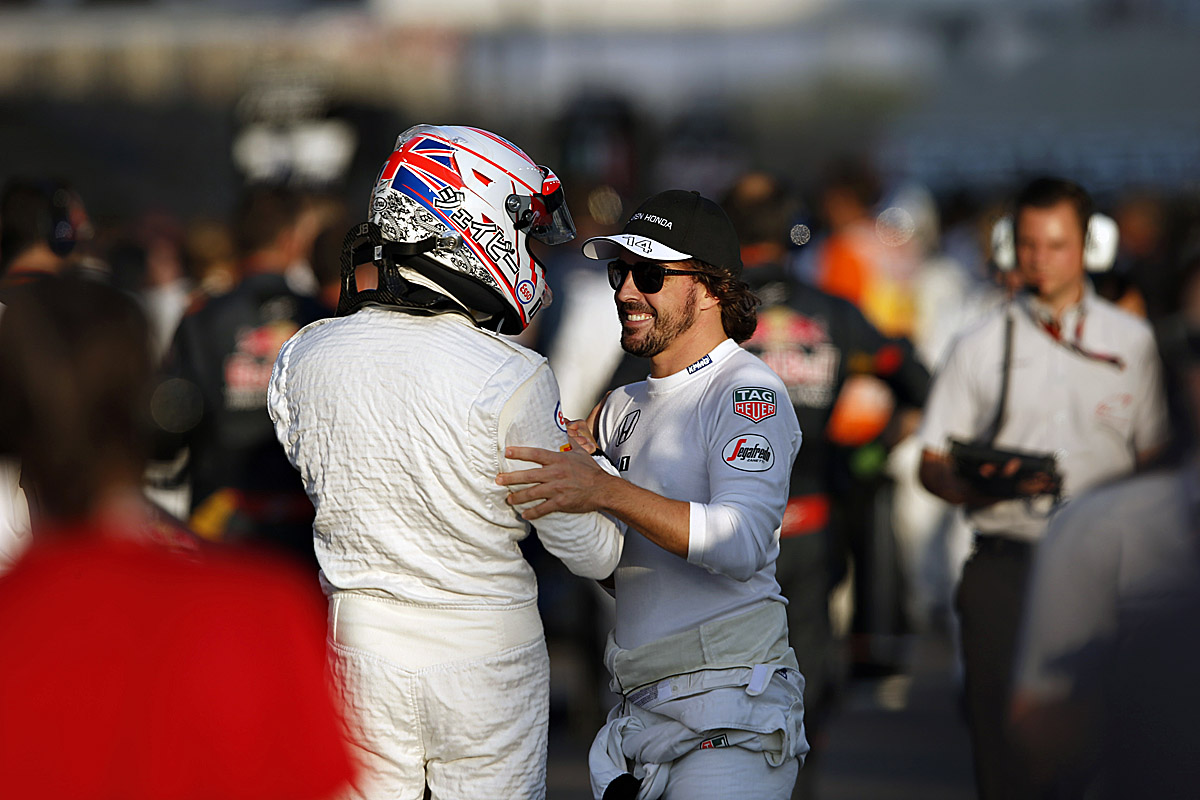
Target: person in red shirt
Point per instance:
(137, 663)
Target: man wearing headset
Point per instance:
(1059, 390)
(39, 224)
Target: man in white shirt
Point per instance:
(699, 458)
(1058, 372)
(1105, 692)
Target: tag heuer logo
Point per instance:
(754, 403)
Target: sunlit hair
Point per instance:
(739, 305)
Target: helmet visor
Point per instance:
(551, 221)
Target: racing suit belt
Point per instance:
(756, 638)
(416, 636)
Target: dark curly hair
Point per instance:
(739, 305)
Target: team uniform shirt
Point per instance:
(242, 486)
(814, 341)
(1090, 393)
(398, 425)
(722, 436)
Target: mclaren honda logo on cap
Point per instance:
(657, 220)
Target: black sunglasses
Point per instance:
(647, 275)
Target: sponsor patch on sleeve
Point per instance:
(749, 452)
(754, 403)
(560, 419)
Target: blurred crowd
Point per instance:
(878, 556)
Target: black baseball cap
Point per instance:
(675, 225)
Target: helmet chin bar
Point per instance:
(364, 244)
(459, 293)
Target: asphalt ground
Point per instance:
(895, 737)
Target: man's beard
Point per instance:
(663, 330)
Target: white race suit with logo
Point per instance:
(721, 435)
(398, 425)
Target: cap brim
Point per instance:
(605, 247)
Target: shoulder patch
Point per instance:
(560, 419)
(755, 403)
(749, 452)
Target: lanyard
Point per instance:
(1055, 331)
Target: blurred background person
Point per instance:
(148, 668)
(40, 223)
(1105, 697)
(1058, 371)
(326, 258)
(146, 260)
(214, 398)
(813, 341)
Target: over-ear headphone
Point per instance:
(38, 212)
(61, 234)
(1099, 244)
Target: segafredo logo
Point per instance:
(754, 403)
(749, 452)
(657, 220)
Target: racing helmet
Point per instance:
(459, 205)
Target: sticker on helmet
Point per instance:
(754, 403)
(748, 452)
(448, 197)
(525, 291)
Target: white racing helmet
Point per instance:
(458, 205)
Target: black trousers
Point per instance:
(990, 600)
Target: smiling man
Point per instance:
(699, 457)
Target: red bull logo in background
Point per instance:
(754, 403)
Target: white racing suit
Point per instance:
(731, 683)
(712, 692)
(398, 425)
